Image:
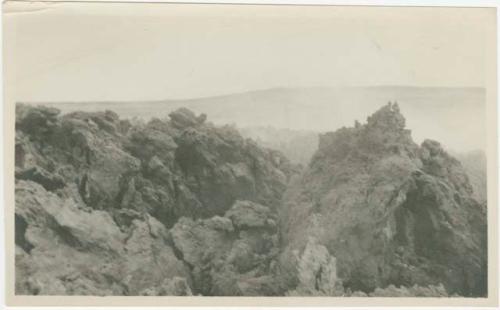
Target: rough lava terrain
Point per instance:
(179, 206)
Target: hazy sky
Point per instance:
(89, 51)
(115, 52)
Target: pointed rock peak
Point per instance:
(387, 117)
(383, 131)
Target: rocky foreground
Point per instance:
(106, 206)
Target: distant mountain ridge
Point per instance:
(326, 109)
(277, 89)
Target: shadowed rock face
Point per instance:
(106, 206)
(390, 211)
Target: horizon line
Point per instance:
(253, 91)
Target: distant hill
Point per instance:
(454, 116)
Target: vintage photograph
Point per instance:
(249, 150)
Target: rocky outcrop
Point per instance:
(231, 255)
(169, 169)
(64, 250)
(390, 211)
(84, 150)
(220, 166)
(179, 206)
(97, 195)
(314, 271)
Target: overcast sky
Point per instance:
(85, 51)
(116, 52)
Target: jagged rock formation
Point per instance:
(96, 197)
(390, 211)
(106, 206)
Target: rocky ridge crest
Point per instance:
(389, 210)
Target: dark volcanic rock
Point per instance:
(39, 175)
(182, 207)
(220, 167)
(81, 148)
(390, 211)
(96, 195)
(227, 258)
(181, 167)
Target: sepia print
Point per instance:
(271, 151)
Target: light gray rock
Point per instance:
(63, 250)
